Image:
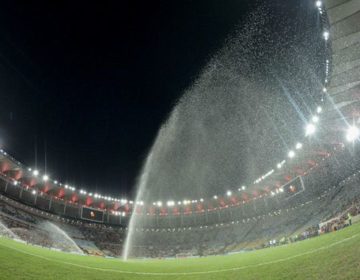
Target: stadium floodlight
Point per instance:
(291, 154)
(45, 178)
(310, 129)
(170, 203)
(298, 146)
(352, 133)
(228, 193)
(318, 4)
(35, 172)
(326, 35)
(315, 119)
(215, 197)
(319, 109)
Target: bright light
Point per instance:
(15, 183)
(326, 35)
(318, 109)
(170, 203)
(315, 119)
(159, 203)
(352, 133)
(324, 89)
(318, 4)
(45, 178)
(291, 154)
(215, 197)
(279, 165)
(310, 129)
(298, 146)
(33, 192)
(228, 193)
(201, 200)
(35, 172)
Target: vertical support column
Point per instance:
(36, 195)
(50, 203)
(6, 186)
(21, 192)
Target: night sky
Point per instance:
(90, 85)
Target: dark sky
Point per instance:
(93, 82)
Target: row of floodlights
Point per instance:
(326, 33)
(172, 203)
(326, 36)
(309, 130)
(117, 213)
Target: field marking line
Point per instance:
(186, 273)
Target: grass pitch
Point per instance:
(332, 256)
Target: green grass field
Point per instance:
(332, 256)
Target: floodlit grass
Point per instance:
(331, 256)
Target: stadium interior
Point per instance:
(313, 192)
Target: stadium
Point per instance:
(299, 219)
